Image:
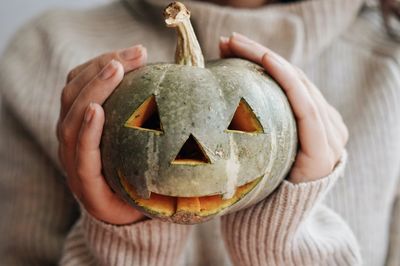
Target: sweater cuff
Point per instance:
(273, 224)
(294, 200)
(150, 242)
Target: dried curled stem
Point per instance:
(188, 51)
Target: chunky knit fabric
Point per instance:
(331, 221)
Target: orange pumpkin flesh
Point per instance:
(185, 209)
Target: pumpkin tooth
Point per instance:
(188, 204)
(156, 204)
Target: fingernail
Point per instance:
(224, 39)
(270, 56)
(132, 53)
(109, 70)
(89, 113)
(241, 38)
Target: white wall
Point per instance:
(13, 13)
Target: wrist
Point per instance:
(309, 174)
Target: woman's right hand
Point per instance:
(321, 130)
(80, 127)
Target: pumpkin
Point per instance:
(187, 142)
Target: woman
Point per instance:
(313, 218)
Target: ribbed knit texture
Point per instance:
(279, 231)
(326, 222)
(146, 243)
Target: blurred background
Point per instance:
(16, 12)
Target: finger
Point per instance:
(96, 91)
(76, 70)
(334, 139)
(127, 54)
(333, 135)
(95, 193)
(224, 48)
(281, 70)
(244, 47)
(336, 129)
(130, 58)
(330, 131)
(313, 137)
(88, 151)
(312, 134)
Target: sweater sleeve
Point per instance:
(37, 210)
(150, 242)
(36, 207)
(292, 227)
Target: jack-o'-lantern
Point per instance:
(186, 142)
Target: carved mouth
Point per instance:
(169, 206)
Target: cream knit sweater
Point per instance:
(332, 221)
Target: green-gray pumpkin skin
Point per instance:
(201, 102)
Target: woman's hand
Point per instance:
(322, 133)
(79, 130)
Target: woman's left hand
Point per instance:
(322, 133)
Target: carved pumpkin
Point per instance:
(185, 143)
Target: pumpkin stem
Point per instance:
(188, 51)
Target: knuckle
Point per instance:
(100, 64)
(81, 144)
(64, 97)
(71, 75)
(104, 59)
(292, 73)
(312, 111)
(113, 55)
(300, 72)
(80, 170)
(329, 159)
(336, 153)
(334, 158)
(58, 130)
(66, 135)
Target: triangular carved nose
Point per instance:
(191, 153)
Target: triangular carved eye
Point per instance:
(146, 117)
(244, 120)
(191, 153)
